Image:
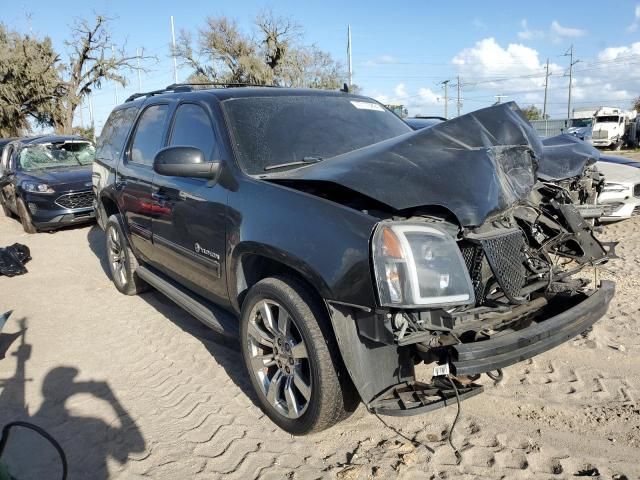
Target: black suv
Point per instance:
(342, 247)
(46, 181)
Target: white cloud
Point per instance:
(488, 69)
(620, 53)
(566, 32)
(422, 100)
(528, 34)
(634, 26)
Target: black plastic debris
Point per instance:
(13, 258)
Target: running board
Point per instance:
(415, 398)
(208, 313)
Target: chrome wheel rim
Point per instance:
(116, 256)
(278, 358)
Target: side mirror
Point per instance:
(181, 161)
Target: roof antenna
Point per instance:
(345, 88)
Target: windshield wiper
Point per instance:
(305, 161)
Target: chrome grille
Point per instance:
(505, 254)
(600, 134)
(76, 200)
(473, 256)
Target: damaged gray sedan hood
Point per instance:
(474, 165)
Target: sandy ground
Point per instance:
(134, 387)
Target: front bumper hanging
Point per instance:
(513, 347)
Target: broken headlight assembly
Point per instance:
(419, 265)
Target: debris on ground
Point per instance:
(13, 258)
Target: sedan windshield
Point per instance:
(68, 154)
(283, 132)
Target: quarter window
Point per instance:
(148, 137)
(192, 128)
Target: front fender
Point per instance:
(326, 243)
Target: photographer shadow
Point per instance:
(88, 441)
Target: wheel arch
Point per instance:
(251, 263)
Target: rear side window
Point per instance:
(192, 128)
(114, 134)
(148, 137)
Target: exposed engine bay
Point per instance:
(522, 264)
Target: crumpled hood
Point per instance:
(67, 178)
(565, 156)
(475, 165)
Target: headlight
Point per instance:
(37, 187)
(614, 187)
(419, 265)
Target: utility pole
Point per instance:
(115, 84)
(569, 53)
(349, 55)
(458, 103)
(173, 52)
(446, 98)
(139, 77)
(546, 87)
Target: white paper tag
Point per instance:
(441, 370)
(367, 106)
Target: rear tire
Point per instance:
(122, 262)
(301, 383)
(25, 217)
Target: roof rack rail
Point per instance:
(188, 87)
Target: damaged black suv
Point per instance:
(342, 247)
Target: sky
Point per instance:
(402, 50)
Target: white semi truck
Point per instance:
(614, 127)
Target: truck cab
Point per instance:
(610, 127)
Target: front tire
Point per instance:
(5, 209)
(292, 357)
(122, 262)
(25, 218)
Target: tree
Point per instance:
(273, 54)
(532, 112)
(93, 60)
(636, 104)
(29, 82)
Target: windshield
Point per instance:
(581, 122)
(69, 154)
(607, 119)
(290, 131)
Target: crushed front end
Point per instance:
(499, 270)
(528, 294)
